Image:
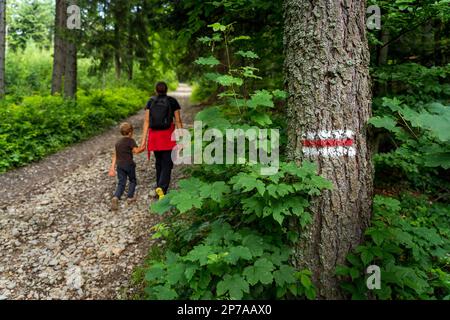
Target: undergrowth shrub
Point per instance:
(231, 230)
(409, 240)
(41, 125)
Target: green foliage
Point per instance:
(228, 264)
(28, 72)
(410, 241)
(41, 125)
(423, 136)
(262, 21)
(30, 21)
(231, 228)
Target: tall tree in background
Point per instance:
(2, 46)
(30, 20)
(70, 69)
(65, 53)
(327, 71)
(59, 53)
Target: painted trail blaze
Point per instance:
(335, 143)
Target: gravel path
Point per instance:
(59, 239)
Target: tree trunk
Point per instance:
(70, 72)
(2, 46)
(384, 51)
(327, 73)
(438, 51)
(117, 47)
(59, 53)
(383, 54)
(130, 52)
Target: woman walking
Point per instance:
(162, 116)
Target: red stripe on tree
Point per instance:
(328, 143)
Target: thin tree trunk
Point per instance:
(327, 73)
(117, 65)
(383, 59)
(117, 45)
(2, 46)
(59, 53)
(70, 73)
(130, 51)
(438, 51)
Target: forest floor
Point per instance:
(59, 239)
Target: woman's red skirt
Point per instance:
(160, 140)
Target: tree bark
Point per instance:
(70, 72)
(327, 75)
(59, 52)
(2, 46)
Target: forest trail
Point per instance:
(59, 239)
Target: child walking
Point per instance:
(123, 162)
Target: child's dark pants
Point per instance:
(164, 166)
(124, 172)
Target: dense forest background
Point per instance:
(124, 47)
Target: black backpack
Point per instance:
(160, 113)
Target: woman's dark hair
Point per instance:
(161, 88)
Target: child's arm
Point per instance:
(137, 150)
(112, 169)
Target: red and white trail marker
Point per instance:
(332, 144)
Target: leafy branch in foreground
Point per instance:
(232, 229)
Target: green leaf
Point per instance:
(175, 273)
(240, 38)
(247, 54)
(165, 293)
(254, 243)
(239, 252)
(366, 257)
(247, 183)
(261, 98)
(215, 191)
(249, 72)
(342, 271)
(393, 104)
(212, 76)
(213, 118)
(227, 81)
(200, 253)
(235, 285)
(204, 39)
(261, 271)
(439, 125)
(279, 94)
(190, 271)
(441, 159)
(185, 201)
(156, 272)
(253, 204)
(305, 281)
(217, 27)
(310, 293)
(285, 275)
(161, 206)
(209, 61)
(385, 122)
